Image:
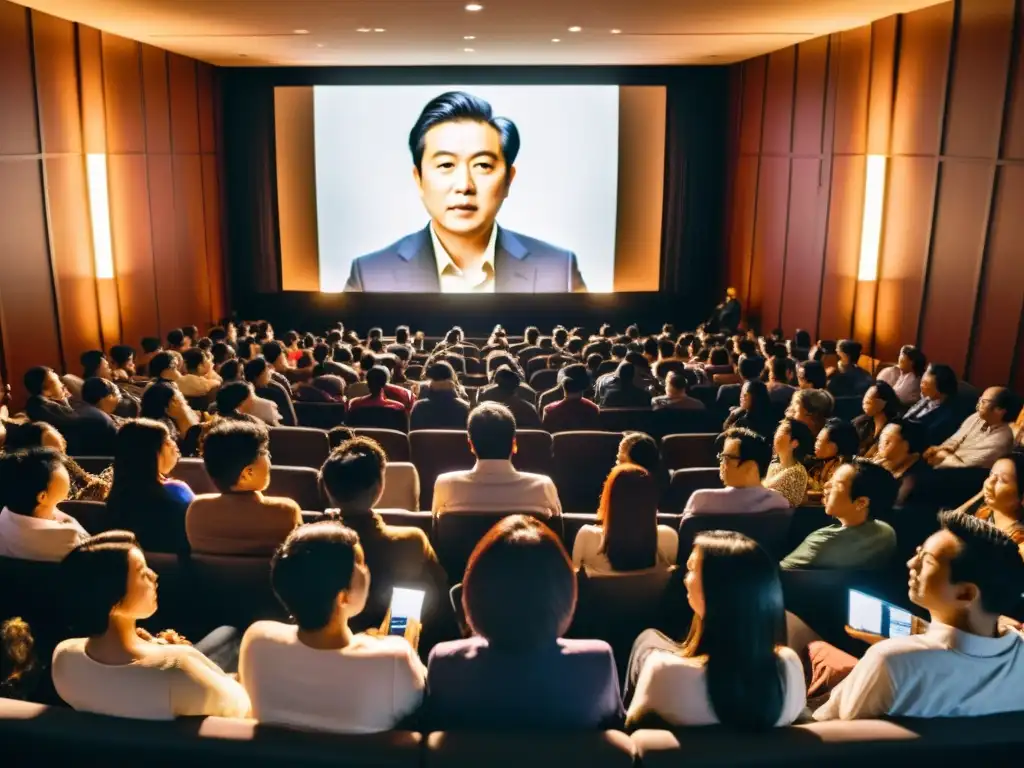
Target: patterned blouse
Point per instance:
(87, 487)
(819, 473)
(791, 482)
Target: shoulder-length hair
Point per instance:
(629, 517)
(137, 455)
(95, 575)
(743, 625)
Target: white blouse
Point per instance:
(906, 385)
(586, 549)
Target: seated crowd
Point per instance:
(802, 429)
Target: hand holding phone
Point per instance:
(403, 618)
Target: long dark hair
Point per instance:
(137, 456)
(744, 623)
(629, 517)
(96, 576)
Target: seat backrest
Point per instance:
(534, 364)
(590, 748)
(544, 379)
(582, 461)
(456, 534)
(299, 446)
(533, 451)
(473, 379)
(676, 421)
(435, 451)
(769, 529)
(607, 366)
(298, 483)
(692, 450)
(34, 591)
(91, 514)
(422, 520)
(401, 486)
(847, 407)
(684, 482)
(475, 366)
(192, 472)
(320, 415)
(627, 419)
(394, 443)
(236, 590)
(381, 418)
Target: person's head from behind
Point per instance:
(640, 449)
(1004, 488)
(321, 352)
(234, 397)
(810, 374)
(197, 362)
(739, 622)
(531, 335)
(743, 457)
(881, 399)
(754, 397)
(107, 578)
(320, 576)
(376, 379)
(177, 340)
(594, 361)
(492, 432)
(507, 380)
(144, 451)
(160, 401)
(629, 517)
(273, 352)
(778, 370)
(101, 393)
(519, 589)
(151, 345)
(719, 357)
(666, 348)
(463, 161)
(849, 352)
(237, 456)
(860, 490)
(901, 440)
(33, 481)
(837, 439)
(793, 439)
(575, 380)
(95, 363)
(41, 381)
(678, 384)
(257, 372)
(967, 574)
(912, 360)
(998, 405)
(440, 374)
(33, 434)
(402, 334)
(750, 367)
(811, 406)
(352, 477)
(221, 353)
(164, 365)
(625, 373)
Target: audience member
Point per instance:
(32, 483)
(507, 382)
(849, 379)
(164, 368)
(734, 667)
(95, 426)
(857, 493)
(377, 379)
(440, 406)
(811, 406)
(1000, 499)
(905, 376)
(200, 379)
(239, 520)
(177, 341)
(677, 397)
(749, 369)
(494, 484)
(900, 450)
(39, 434)
(627, 537)
(984, 436)
(880, 406)
(517, 672)
(142, 499)
(260, 375)
(118, 668)
(168, 406)
(48, 400)
(317, 674)
(743, 460)
(573, 411)
(787, 474)
(936, 409)
(755, 411)
(811, 375)
(641, 449)
(619, 390)
(966, 575)
(780, 391)
(838, 443)
(151, 346)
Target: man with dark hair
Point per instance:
(937, 408)
(150, 346)
(749, 368)
(849, 379)
(494, 485)
(984, 437)
(234, 398)
(743, 461)
(440, 405)
(464, 164)
(676, 396)
(573, 412)
(507, 392)
(163, 368)
(178, 341)
(377, 380)
(239, 520)
(94, 429)
(260, 375)
(48, 400)
(899, 450)
(620, 390)
(857, 493)
(200, 379)
(780, 391)
(965, 664)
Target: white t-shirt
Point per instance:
(754, 498)
(37, 538)
(367, 687)
(675, 688)
(586, 549)
(174, 681)
(942, 673)
(495, 485)
(266, 411)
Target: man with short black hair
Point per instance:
(261, 375)
(200, 379)
(494, 485)
(573, 411)
(239, 520)
(780, 391)
(849, 379)
(177, 341)
(95, 429)
(743, 461)
(620, 389)
(984, 437)
(899, 450)
(676, 397)
(966, 575)
(506, 392)
(48, 399)
(377, 380)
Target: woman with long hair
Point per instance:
(143, 499)
(905, 376)
(881, 405)
(38, 434)
(734, 667)
(1001, 500)
(756, 412)
(166, 404)
(627, 536)
(641, 449)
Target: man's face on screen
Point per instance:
(464, 179)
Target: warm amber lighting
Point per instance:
(99, 215)
(871, 224)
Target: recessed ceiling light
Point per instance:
(300, 31)
(616, 31)
(468, 50)
(469, 37)
(380, 29)
(575, 29)
(474, 7)
(364, 29)
(556, 39)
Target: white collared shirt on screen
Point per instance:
(455, 280)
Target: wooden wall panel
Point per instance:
(90, 67)
(133, 247)
(904, 253)
(207, 94)
(1001, 299)
(173, 280)
(754, 72)
(770, 240)
(184, 104)
(854, 75)
(191, 239)
(802, 282)
(778, 104)
(921, 88)
(18, 129)
(214, 246)
(809, 102)
(57, 83)
(958, 244)
(67, 199)
(122, 80)
(741, 234)
(158, 112)
(977, 89)
(842, 249)
(1013, 141)
(882, 85)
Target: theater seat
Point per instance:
(92, 515)
(34, 591)
(691, 450)
(533, 451)
(299, 446)
(192, 472)
(627, 420)
(394, 443)
(501, 749)
(674, 421)
(298, 483)
(455, 535)
(582, 461)
(684, 482)
(435, 451)
(422, 520)
(379, 418)
(320, 415)
(769, 529)
(235, 590)
(401, 487)
(544, 379)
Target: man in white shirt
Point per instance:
(966, 575)
(33, 483)
(201, 379)
(494, 485)
(742, 464)
(984, 437)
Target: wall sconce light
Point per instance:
(99, 215)
(871, 223)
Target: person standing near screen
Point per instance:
(464, 164)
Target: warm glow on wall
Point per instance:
(871, 225)
(99, 214)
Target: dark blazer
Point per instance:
(521, 265)
(940, 419)
(439, 411)
(92, 433)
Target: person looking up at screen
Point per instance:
(464, 164)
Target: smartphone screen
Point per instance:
(406, 605)
(870, 614)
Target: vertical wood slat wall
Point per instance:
(940, 92)
(68, 90)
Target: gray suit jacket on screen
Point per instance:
(521, 265)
